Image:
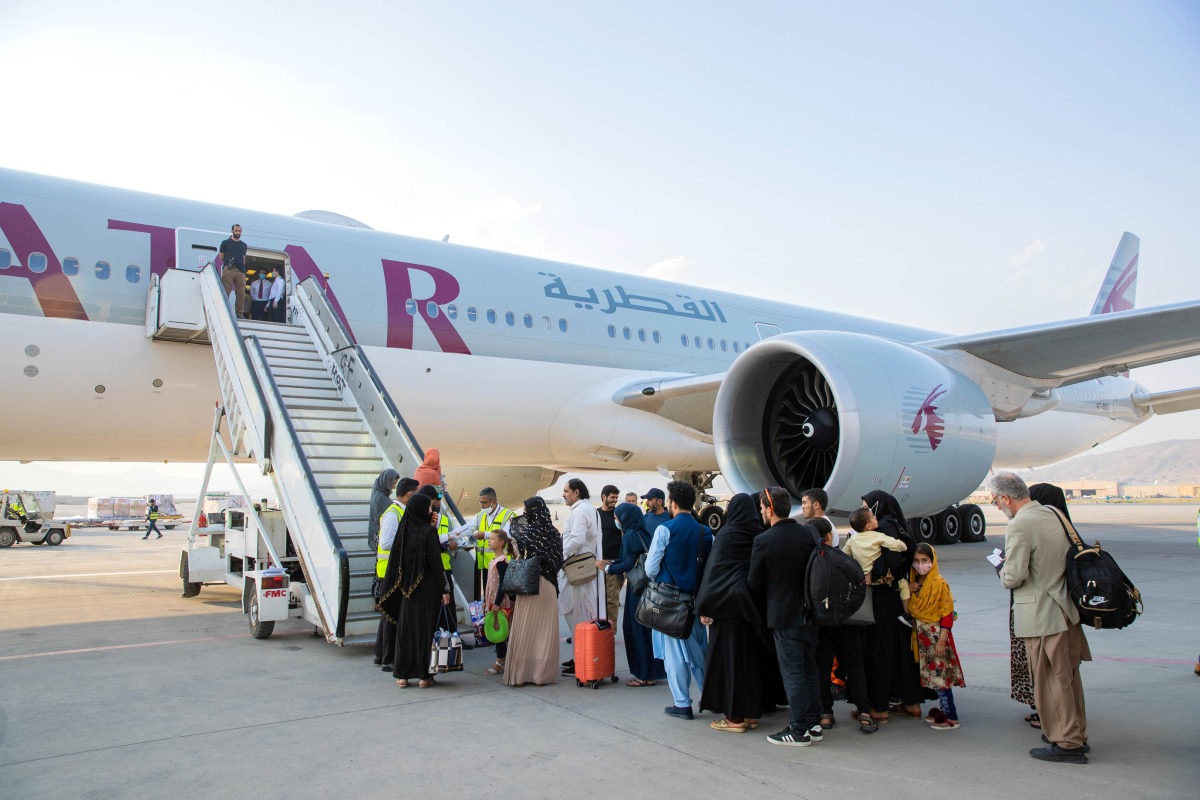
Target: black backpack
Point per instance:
(1097, 586)
(833, 586)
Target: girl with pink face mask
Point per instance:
(932, 608)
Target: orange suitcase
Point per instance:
(595, 652)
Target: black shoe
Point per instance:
(160, 536)
(682, 712)
(144, 538)
(1060, 754)
(377, 661)
(569, 664)
(1087, 748)
(788, 738)
(816, 733)
(388, 667)
(568, 670)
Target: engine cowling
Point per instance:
(851, 413)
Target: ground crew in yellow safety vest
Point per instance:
(389, 523)
(152, 519)
(492, 516)
(17, 509)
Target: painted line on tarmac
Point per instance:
(89, 575)
(121, 647)
(1120, 659)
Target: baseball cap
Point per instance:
(654, 494)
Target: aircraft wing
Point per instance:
(1083, 349)
(1169, 402)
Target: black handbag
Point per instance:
(523, 576)
(667, 609)
(637, 577)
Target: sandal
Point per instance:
(751, 724)
(727, 726)
(902, 710)
(402, 683)
(1034, 720)
(935, 715)
(495, 669)
(867, 724)
(878, 719)
(639, 682)
(425, 683)
(827, 721)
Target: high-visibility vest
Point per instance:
(484, 556)
(443, 529)
(152, 514)
(381, 555)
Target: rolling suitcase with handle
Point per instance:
(595, 648)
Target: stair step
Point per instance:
(311, 404)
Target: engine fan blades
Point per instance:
(801, 430)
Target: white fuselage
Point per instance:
(495, 359)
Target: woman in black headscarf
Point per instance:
(887, 652)
(381, 498)
(533, 648)
(415, 590)
(737, 654)
(639, 649)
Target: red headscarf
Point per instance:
(430, 471)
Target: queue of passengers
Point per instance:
(752, 649)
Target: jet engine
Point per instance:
(850, 413)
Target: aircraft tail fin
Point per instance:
(1119, 290)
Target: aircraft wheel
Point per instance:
(54, 538)
(258, 628)
(189, 589)
(7, 538)
(973, 523)
(949, 527)
(713, 517)
(923, 529)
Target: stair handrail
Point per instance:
(314, 297)
(216, 295)
(288, 431)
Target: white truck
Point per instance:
(27, 516)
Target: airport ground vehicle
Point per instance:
(25, 520)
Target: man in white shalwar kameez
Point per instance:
(581, 534)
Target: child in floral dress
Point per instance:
(932, 608)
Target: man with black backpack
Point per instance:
(1044, 617)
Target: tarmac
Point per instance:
(113, 686)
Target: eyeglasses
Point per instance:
(996, 500)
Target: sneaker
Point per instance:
(1087, 748)
(160, 536)
(144, 538)
(1060, 754)
(816, 733)
(944, 724)
(682, 712)
(789, 738)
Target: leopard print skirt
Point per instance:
(1019, 674)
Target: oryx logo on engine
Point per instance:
(925, 418)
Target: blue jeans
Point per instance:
(797, 650)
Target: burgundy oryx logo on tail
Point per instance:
(929, 420)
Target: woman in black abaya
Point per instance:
(738, 656)
(415, 590)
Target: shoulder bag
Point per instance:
(667, 609)
(637, 577)
(580, 568)
(523, 576)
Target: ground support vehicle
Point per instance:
(23, 519)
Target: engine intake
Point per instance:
(851, 413)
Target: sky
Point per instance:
(961, 167)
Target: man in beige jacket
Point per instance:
(1034, 568)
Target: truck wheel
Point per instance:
(949, 527)
(54, 538)
(7, 538)
(974, 525)
(189, 589)
(258, 628)
(713, 517)
(923, 529)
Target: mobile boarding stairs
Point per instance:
(301, 400)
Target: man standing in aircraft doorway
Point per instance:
(260, 290)
(233, 271)
(277, 303)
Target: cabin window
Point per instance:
(736, 347)
(746, 346)
(711, 344)
(133, 273)
(628, 334)
(528, 320)
(452, 311)
(562, 325)
(431, 309)
(37, 262)
(641, 334)
(472, 314)
(699, 344)
(491, 316)
(683, 338)
(657, 337)
(509, 319)
(5, 259)
(70, 265)
(410, 307)
(724, 346)
(612, 331)
(103, 270)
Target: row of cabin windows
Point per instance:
(38, 263)
(432, 310)
(713, 344)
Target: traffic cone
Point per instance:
(203, 523)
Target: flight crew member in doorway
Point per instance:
(491, 517)
(233, 270)
(277, 303)
(260, 290)
(152, 520)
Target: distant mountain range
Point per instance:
(1176, 461)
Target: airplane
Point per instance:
(519, 369)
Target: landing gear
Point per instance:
(710, 513)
